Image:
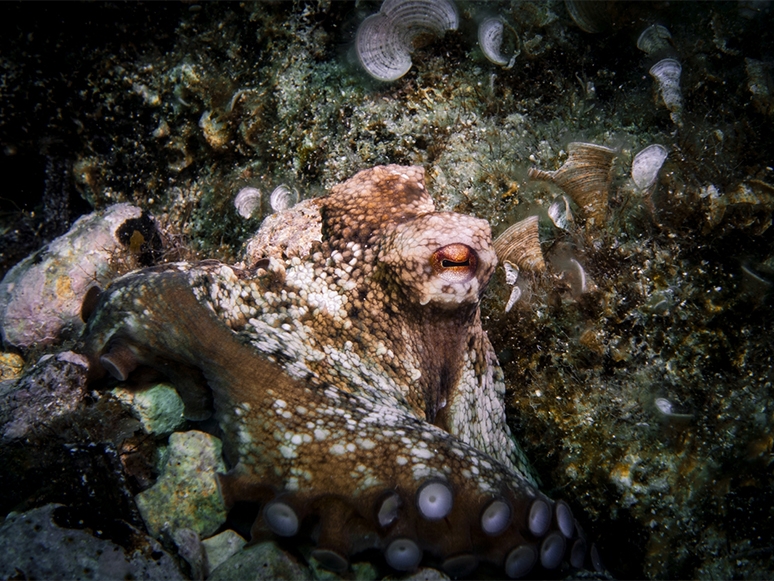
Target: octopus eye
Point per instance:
(454, 262)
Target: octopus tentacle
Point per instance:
(359, 399)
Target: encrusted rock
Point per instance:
(159, 408)
(55, 386)
(11, 366)
(40, 298)
(220, 548)
(56, 542)
(186, 494)
(264, 561)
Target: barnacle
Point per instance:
(283, 198)
(654, 39)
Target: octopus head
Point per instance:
(442, 259)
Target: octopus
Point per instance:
(359, 398)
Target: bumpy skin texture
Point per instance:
(353, 382)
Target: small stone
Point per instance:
(264, 561)
(364, 571)
(186, 495)
(427, 574)
(190, 548)
(51, 389)
(221, 547)
(159, 408)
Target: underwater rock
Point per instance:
(190, 549)
(219, 548)
(159, 408)
(385, 40)
(186, 494)
(261, 562)
(58, 542)
(41, 297)
(54, 387)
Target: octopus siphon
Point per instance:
(359, 398)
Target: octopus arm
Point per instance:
(368, 475)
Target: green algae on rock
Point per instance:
(261, 562)
(219, 548)
(159, 408)
(186, 494)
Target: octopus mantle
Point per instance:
(359, 397)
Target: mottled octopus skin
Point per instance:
(348, 375)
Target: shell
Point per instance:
(520, 245)
(247, 201)
(646, 165)
(513, 298)
(560, 213)
(668, 410)
(283, 198)
(667, 73)
(591, 17)
(385, 40)
(749, 205)
(577, 276)
(654, 39)
(511, 279)
(585, 177)
(511, 273)
(761, 85)
(491, 33)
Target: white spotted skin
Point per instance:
(351, 370)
